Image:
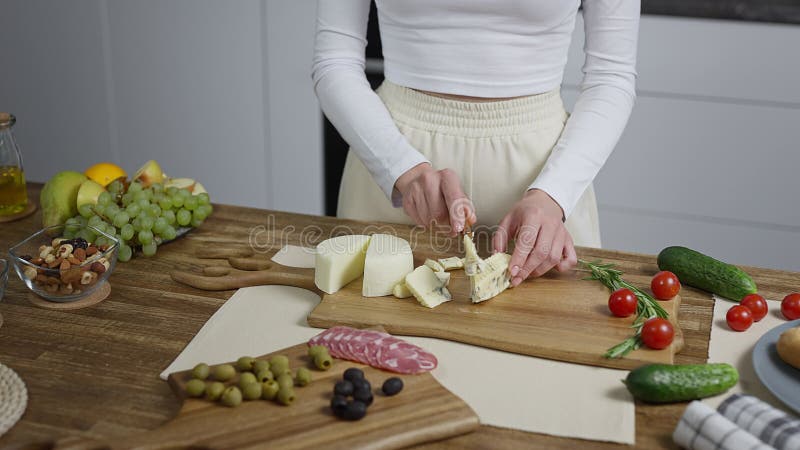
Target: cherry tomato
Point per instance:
(756, 304)
(739, 318)
(657, 333)
(665, 285)
(622, 303)
(790, 306)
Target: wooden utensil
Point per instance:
(558, 316)
(424, 411)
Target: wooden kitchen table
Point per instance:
(94, 372)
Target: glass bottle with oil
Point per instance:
(13, 194)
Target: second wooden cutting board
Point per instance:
(558, 317)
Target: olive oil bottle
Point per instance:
(13, 194)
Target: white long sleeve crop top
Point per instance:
(480, 48)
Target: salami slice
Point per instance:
(377, 349)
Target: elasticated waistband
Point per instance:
(473, 119)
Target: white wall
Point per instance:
(218, 91)
(710, 156)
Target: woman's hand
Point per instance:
(435, 195)
(541, 240)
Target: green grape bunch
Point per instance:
(141, 217)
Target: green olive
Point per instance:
(303, 376)
(285, 396)
(224, 372)
(259, 365)
(279, 368)
(265, 375)
(269, 389)
(232, 396)
(244, 363)
(281, 360)
(195, 387)
(315, 350)
(201, 371)
(214, 391)
(246, 378)
(323, 361)
(251, 391)
(285, 380)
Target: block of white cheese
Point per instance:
(434, 265)
(487, 277)
(401, 290)
(428, 289)
(492, 279)
(339, 260)
(451, 263)
(389, 260)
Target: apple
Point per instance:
(88, 192)
(150, 173)
(181, 183)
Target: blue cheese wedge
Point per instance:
(487, 277)
(388, 261)
(428, 289)
(434, 265)
(451, 263)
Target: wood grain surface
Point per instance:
(424, 411)
(559, 317)
(93, 373)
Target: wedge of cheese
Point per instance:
(428, 289)
(492, 279)
(388, 261)
(434, 265)
(451, 263)
(339, 260)
(401, 290)
(444, 277)
(487, 277)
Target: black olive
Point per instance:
(363, 395)
(338, 405)
(355, 411)
(361, 384)
(343, 388)
(353, 374)
(392, 386)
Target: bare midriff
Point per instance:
(466, 98)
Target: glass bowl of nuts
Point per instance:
(65, 263)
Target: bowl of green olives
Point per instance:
(65, 263)
(3, 277)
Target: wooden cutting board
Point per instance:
(559, 317)
(423, 411)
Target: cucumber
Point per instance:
(664, 383)
(704, 272)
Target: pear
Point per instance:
(88, 192)
(181, 183)
(59, 197)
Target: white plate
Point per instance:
(779, 377)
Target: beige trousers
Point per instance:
(497, 148)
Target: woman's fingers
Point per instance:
(410, 207)
(570, 258)
(500, 237)
(554, 257)
(523, 245)
(460, 209)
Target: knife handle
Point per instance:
(219, 279)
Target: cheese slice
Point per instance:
(434, 265)
(488, 277)
(492, 279)
(389, 259)
(451, 263)
(401, 290)
(339, 260)
(444, 277)
(427, 288)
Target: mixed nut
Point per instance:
(67, 266)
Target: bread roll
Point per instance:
(789, 347)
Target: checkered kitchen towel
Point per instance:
(742, 422)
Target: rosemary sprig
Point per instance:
(646, 306)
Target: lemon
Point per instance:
(104, 173)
